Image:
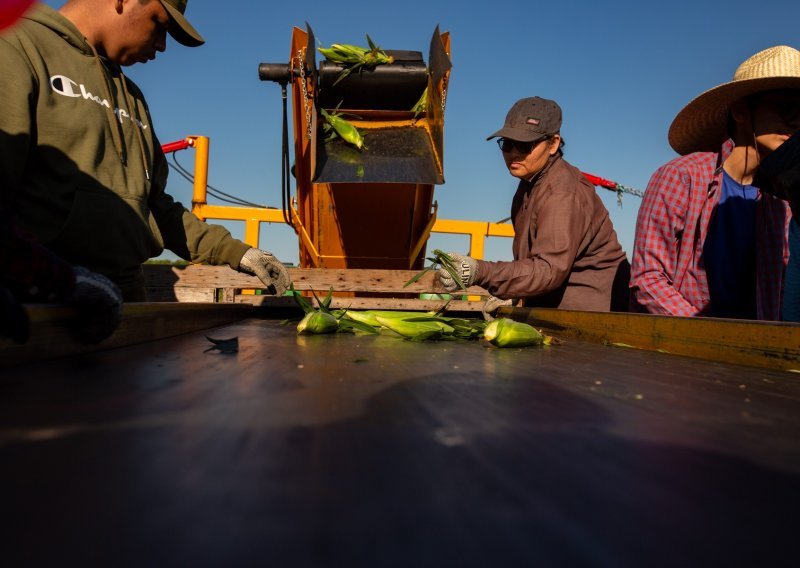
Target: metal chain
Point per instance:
(306, 105)
(620, 189)
(630, 190)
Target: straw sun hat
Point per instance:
(701, 125)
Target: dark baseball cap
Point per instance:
(181, 30)
(531, 119)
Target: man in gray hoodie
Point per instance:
(80, 164)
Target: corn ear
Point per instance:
(506, 332)
(371, 316)
(354, 57)
(411, 329)
(343, 53)
(344, 129)
(317, 322)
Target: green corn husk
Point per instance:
(421, 105)
(444, 260)
(505, 332)
(413, 329)
(343, 53)
(316, 323)
(338, 126)
(353, 57)
(461, 328)
(371, 316)
(347, 325)
(304, 304)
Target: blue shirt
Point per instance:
(729, 252)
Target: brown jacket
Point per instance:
(566, 253)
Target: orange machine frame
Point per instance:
(357, 225)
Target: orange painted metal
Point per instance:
(356, 224)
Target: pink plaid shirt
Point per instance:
(668, 275)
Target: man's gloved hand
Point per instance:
(268, 269)
(99, 302)
(466, 267)
(491, 304)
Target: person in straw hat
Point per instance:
(708, 241)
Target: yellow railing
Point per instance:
(476, 231)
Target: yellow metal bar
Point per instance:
(201, 144)
(481, 228)
(251, 232)
(230, 213)
(477, 231)
(771, 345)
(252, 216)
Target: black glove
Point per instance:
(467, 268)
(269, 270)
(99, 303)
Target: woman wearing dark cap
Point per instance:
(566, 252)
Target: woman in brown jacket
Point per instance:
(566, 252)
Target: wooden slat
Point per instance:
(50, 336)
(184, 294)
(772, 345)
(368, 303)
(319, 279)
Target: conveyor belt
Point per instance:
(373, 451)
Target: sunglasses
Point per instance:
(788, 110)
(786, 107)
(506, 145)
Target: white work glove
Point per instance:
(491, 305)
(466, 266)
(269, 270)
(99, 303)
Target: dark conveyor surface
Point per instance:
(373, 451)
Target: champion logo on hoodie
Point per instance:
(66, 87)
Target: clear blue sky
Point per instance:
(620, 70)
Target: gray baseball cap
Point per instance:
(531, 119)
